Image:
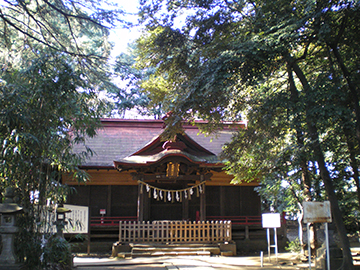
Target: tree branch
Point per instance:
(74, 16)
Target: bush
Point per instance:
(294, 246)
(57, 253)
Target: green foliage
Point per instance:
(288, 67)
(57, 253)
(62, 26)
(132, 94)
(294, 246)
(53, 61)
(42, 115)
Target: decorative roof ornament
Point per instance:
(174, 145)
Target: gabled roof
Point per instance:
(183, 142)
(119, 139)
(157, 150)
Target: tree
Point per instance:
(54, 60)
(132, 94)
(235, 58)
(42, 116)
(62, 26)
(78, 29)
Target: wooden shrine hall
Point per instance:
(136, 178)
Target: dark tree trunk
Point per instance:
(351, 140)
(353, 91)
(325, 175)
(353, 162)
(305, 175)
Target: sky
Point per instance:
(122, 37)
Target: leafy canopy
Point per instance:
(288, 67)
(53, 62)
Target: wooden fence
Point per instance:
(174, 232)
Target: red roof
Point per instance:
(120, 138)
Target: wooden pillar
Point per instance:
(89, 232)
(140, 204)
(247, 233)
(89, 198)
(108, 206)
(222, 204)
(146, 203)
(203, 204)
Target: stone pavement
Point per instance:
(285, 261)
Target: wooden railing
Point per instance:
(174, 232)
(238, 220)
(235, 220)
(110, 221)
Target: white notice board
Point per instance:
(78, 219)
(271, 220)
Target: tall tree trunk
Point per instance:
(351, 141)
(301, 231)
(305, 175)
(353, 162)
(352, 87)
(324, 173)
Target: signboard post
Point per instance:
(102, 213)
(318, 212)
(271, 220)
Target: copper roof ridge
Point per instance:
(188, 124)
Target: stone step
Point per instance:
(172, 245)
(144, 250)
(175, 249)
(171, 253)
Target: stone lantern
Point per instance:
(8, 211)
(60, 219)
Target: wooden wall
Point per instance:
(122, 201)
(117, 193)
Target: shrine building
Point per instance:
(135, 177)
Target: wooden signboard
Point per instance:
(78, 219)
(317, 212)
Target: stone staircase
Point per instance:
(148, 250)
(134, 250)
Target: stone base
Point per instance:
(119, 248)
(335, 258)
(229, 249)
